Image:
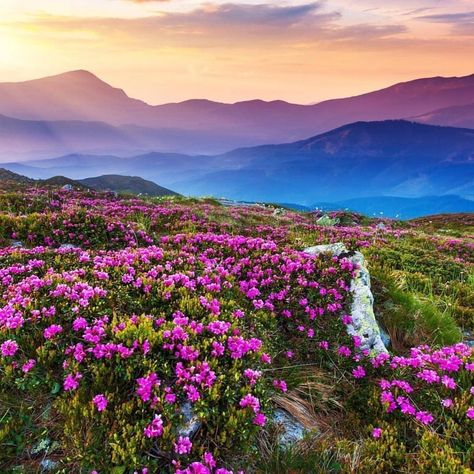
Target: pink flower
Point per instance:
(146, 385)
(71, 382)
(252, 375)
(324, 345)
(447, 403)
(27, 366)
(208, 459)
(100, 402)
(259, 419)
(280, 385)
(448, 382)
(358, 372)
(52, 331)
(470, 413)
(346, 319)
(344, 351)
(250, 401)
(183, 445)
(9, 348)
(377, 433)
(155, 428)
(79, 324)
(424, 417)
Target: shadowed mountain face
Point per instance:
(126, 184)
(397, 158)
(202, 126)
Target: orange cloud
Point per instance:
(298, 51)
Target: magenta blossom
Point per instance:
(358, 372)
(259, 419)
(100, 402)
(155, 428)
(52, 331)
(377, 433)
(183, 445)
(9, 348)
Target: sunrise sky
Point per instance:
(300, 51)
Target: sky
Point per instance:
(300, 51)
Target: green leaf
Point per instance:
(118, 470)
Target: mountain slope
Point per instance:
(212, 126)
(126, 184)
(74, 95)
(7, 175)
(360, 159)
(396, 158)
(403, 208)
(456, 116)
(35, 137)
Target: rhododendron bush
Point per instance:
(151, 336)
(132, 335)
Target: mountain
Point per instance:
(61, 181)
(403, 208)
(363, 159)
(397, 158)
(456, 116)
(203, 126)
(23, 139)
(75, 95)
(126, 184)
(44, 138)
(117, 183)
(7, 175)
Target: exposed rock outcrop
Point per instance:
(364, 323)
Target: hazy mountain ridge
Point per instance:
(402, 208)
(203, 126)
(363, 159)
(455, 116)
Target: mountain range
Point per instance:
(410, 140)
(76, 112)
(392, 158)
(115, 183)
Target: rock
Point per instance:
(17, 244)
(279, 211)
(67, 187)
(292, 430)
(385, 337)
(68, 246)
(380, 226)
(325, 220)
(335, 249)
(48, 465)
(363, 323)
(468, 338)
(191, 421)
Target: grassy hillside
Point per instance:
(126, 184)
(113, 182)
(164, 334)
